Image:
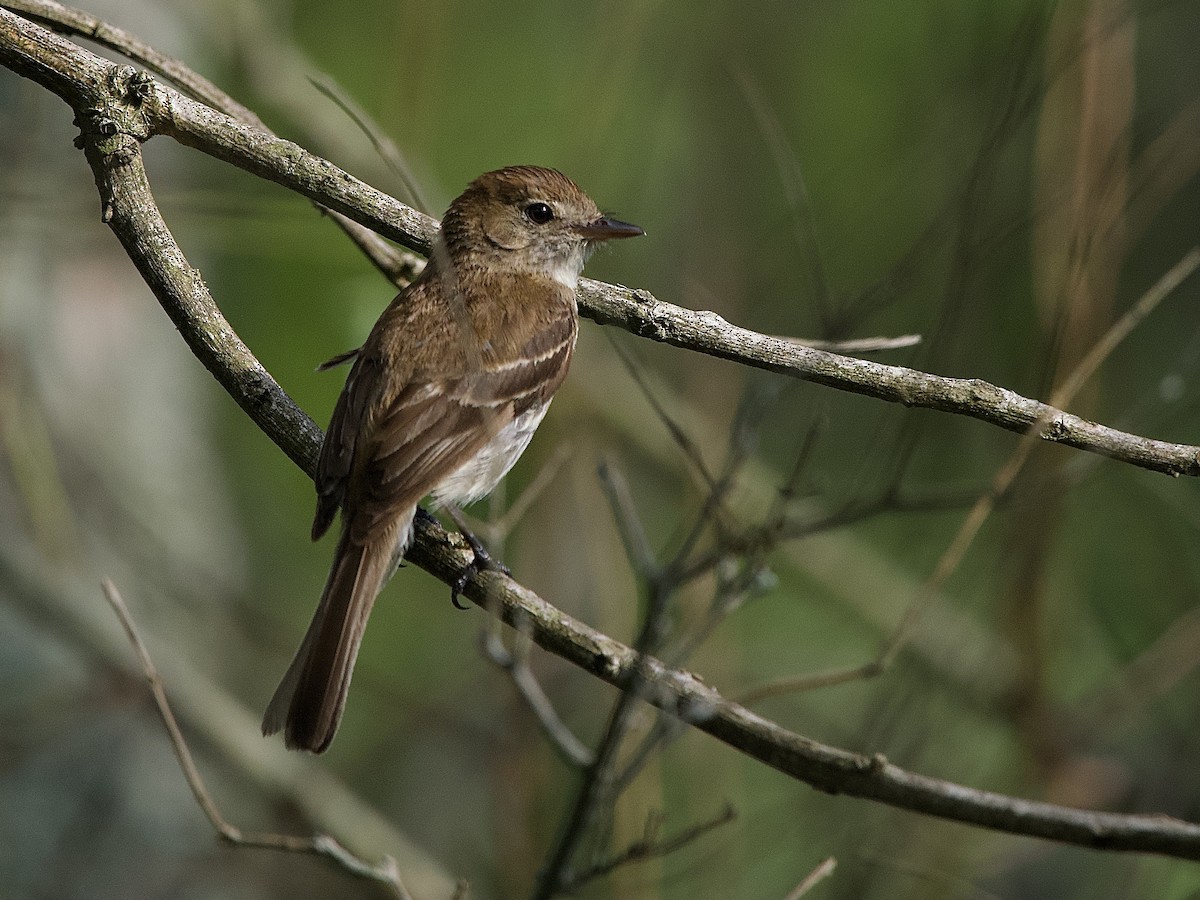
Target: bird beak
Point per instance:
(604, 228)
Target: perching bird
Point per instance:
(442, 399)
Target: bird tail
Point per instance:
(307, 705)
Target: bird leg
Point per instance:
(480, 562)
(429, 519)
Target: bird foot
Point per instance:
(481, 561)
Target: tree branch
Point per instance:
(83, 80)
(398, 266)
(117, 109)
(826, 768)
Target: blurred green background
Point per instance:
(1003, 178)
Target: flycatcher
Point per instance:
(442, 399)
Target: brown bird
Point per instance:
(442, 399)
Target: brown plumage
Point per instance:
(442, 399)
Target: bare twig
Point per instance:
(1062, 396)
(597, 790)
(600, 780)
(603, 783)
(384, 145)
(742, 442)
(516, 663)
(650, 847)
(809, 681)
(953, 556)
(385, 871)
(856, 345)
(813, 878)
(731, 592)
(785, 525)
(691, 450)
(629, 523)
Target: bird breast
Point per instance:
(478, 476)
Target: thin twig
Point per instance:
(729, 595)
(730, 592)
(954, 554)
(596, 791)
(1061, 397)
(384, 871)
(603, 783)
(629, 523)
(785, 526)
(809, 681)
(817, 875)
(743, 442)
(573, 750)
(856, 345)
(384, 145)
(691, 450)
(650, 847)
(516, 663)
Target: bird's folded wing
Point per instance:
(427, 430)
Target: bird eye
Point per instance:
(539, 213)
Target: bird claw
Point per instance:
(481, 561)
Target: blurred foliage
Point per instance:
(1003, 178)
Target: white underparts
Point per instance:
(478, 476)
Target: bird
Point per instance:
(442, 399)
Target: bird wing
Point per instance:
(341, 439)
(396, 433)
